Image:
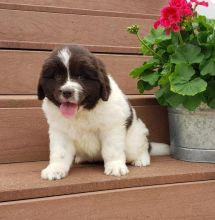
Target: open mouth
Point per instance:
(68, 109)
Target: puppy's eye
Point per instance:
(58, 77)
(80, 77)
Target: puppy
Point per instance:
(89, 117)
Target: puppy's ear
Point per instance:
(103, 78)
(40, 92)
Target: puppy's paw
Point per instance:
(142, 161)
(116, 168)
(54, 171)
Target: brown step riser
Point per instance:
(23, 131)
(43, 30)
(20, 70)
(146, 7)
(191, 201)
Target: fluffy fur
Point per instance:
(105, 127)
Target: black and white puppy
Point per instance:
(89, 117)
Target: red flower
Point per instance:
(187, 11)
(171, 14)
(156, 23)
(203, 3)
(184, 8)
(165, 22)
(175, 28)
(177, 3)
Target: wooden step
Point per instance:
(39, 30)
(20, 70)
(22, 180)
(187, 201)
(99, 25)
(168, 189)
(24, 131)
(125, 8)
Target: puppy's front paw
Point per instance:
(116, 168)
(54, 171)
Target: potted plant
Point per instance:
(182, 67)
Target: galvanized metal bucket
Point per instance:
(192, 134)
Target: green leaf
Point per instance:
(142, 86)
(187, 53)
(156, 36)
(137, 72)
(171, 48)
(164, 79)
(208, 67)
(203, 36)
(210, 93)
(182, 74)
(151, 78)
(192, 102)
(189, 88)
(161, 95)
(153, 61)
(212, 103)
(175, 99)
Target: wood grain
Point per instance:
(22, 180)
(145, 7)
(42, 30)
(187, 201)
(23, 135)
(20, 70)
(23, 130)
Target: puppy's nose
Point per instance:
(67, 93)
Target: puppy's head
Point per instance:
(72, 77)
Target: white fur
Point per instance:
(65, 54)
(72, 86)
(98, 134)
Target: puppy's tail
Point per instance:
(159, 149)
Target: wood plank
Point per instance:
(22, 180)
(139, 7)
(21, 140)
(20, 70)
(39, 30)
(23, 135)
(188, 201)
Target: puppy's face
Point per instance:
(72, 77)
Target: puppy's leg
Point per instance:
(113, 145)
(62, 154)
(137, 145)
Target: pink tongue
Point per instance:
(68, 109)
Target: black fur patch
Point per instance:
(84, 68)
(150, 148)
(129, 120)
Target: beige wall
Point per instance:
(210, 11)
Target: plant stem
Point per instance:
(146, 46)
(180, 38)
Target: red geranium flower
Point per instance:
(175, 27)
(184, 8)
(156, 23)
(203, 3)
(171, 14)
(178, 3)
